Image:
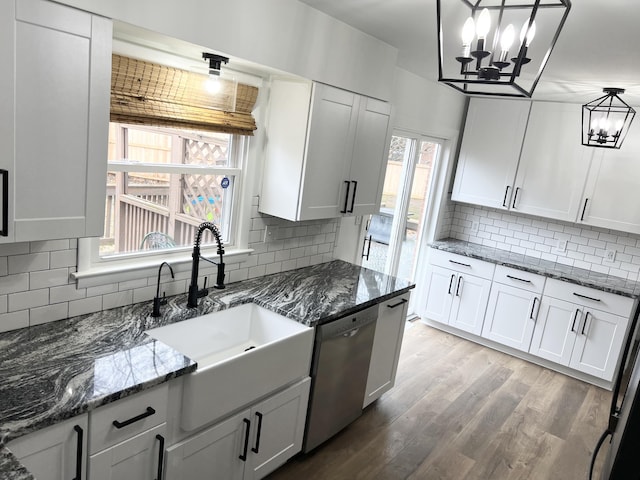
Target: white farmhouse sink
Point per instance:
(243, 353)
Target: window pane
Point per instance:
(148, 147)
(149, 186)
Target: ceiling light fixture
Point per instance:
(477, 53)
(213, 84)
(606, 120)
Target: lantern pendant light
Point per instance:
(606, 120)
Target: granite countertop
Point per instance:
(61, 369)
(566, 273)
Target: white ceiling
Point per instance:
(598, 47)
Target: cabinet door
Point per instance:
(7, 103)
(277, 430)
(598, 344)
(139, 457)
(611, 194)
(392, 316)
(555, 331)
(212, 454)
(554, 164)
(511, 316)
(491, 144)
(440, 283)
(369, 160)
(55, 453)
(61, 120)
(470, 303)
(329, 147)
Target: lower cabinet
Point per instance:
(56, 452)
(249, 445)
(138, 457)
(387, 341)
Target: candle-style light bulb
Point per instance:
(529, 35)
(468, 32)
(484, 24)
(604, 126)
(506, 40)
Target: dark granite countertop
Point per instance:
(566, 273)
(61, 369)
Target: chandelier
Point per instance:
(497, 47)
(606, 120)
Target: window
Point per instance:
(162, 183)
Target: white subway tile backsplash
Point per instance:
(48, 313)
(49, 278)
(14, 320)
(9, 249)
(118, 299)
(31, 262)
(63, 258)
(29, 299)
(85, 305)
(3, 303)
(14, 283)
(66, 293)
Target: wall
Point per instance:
(538, 237)
(35, 283)
(282, 34)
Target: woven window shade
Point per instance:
(151, 94)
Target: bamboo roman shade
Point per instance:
(151, 94)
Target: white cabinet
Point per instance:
(392, 316)
(127, 437)
(457, 290)
(326, 152)
(611, 193)
(57, 452)
(581, 328)
(553, 164)
(248, 445)
(513, 308)
(488, 159)
(54, 107)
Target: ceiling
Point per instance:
(597, 48)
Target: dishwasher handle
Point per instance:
(347, 326)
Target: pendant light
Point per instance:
(606, 120)
(479, 52)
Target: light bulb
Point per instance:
(213, 84)
(506, 40)
(530, 34)
(484, 24)
(468, 31)
(604, 125)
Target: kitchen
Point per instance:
(376, 68)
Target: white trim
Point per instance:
(174, 168)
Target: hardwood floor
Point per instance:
(461, 411)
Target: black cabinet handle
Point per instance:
(243, 456)
(586, 318)
(150, 411)
(160, 439)
(533, 307)
(458, 286)
(588, 298)
(515, 197)
(453, 276)
(575, 316)
(346, 197)
(504, 200)
(519, 279)
(256, 449)
(80, 433)
(460, 263)
(353, 197)
(401, 302)
(4, 231)
(364, 244)
(584, 209)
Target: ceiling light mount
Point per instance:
(215, 62)
(606, 120)
(480, 51)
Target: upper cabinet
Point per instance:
(611, 194)
(326, 152)
(522, 156)
(54, 106)
(553, 164)
(489, 153)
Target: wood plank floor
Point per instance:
(461, 411)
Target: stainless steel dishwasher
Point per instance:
(339, 370)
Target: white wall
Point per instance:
(281, 34)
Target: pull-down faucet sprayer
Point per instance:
(194, 292)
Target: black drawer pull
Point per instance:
(584, 209)
(150, 411)
(460, 263)
(588, 298)
(515, 198)
(458, 286)
(243, 455)
(575, 316)
(401, 302)
(256, 449)
(519, 279)
(160, 439)
(346, 197)
(504, 200)
(451, 283)
(586, 318)
(4, 230)
(533, 307)
(80, 433)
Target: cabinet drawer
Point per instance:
(589, 297)
(134, 412)
(513, 277)
(460, 263)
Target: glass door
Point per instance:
(394, 235)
